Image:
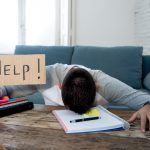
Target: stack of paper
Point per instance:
(106, 122)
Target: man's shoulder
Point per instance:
(57, 65)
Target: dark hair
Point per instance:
(78, 90)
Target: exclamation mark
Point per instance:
(38, 68)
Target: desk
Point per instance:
(38, 129)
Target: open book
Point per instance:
(106, 122)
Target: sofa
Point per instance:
(125, 63)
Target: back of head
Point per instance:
(78, 90)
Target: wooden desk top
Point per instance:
(39, 130)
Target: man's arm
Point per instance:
(116, 91)
(18, 90)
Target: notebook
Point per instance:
(107, 121)
(15, 105)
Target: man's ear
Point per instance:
(97, 86)
(60, 86)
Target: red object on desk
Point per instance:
(5, 98)
(12, 101)
(4, 101)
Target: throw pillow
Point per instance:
(146, 81)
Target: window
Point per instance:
(33, 22)
(40, 22)
(8, 25)
(142, 24)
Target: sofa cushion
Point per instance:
(54, 54)
(58, 54)
(123, 63)
(36, 98)
(146, 82)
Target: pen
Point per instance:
(84, 119)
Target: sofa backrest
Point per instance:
(123, 63)
(53, 54)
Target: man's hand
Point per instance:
(143, 114)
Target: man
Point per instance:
(80, 87)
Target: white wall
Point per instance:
(105, 22)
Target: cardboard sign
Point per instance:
(22, 69)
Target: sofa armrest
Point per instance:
(145, 65)
(36, 98)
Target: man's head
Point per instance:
(78, 90)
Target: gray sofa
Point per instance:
(124, 63)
